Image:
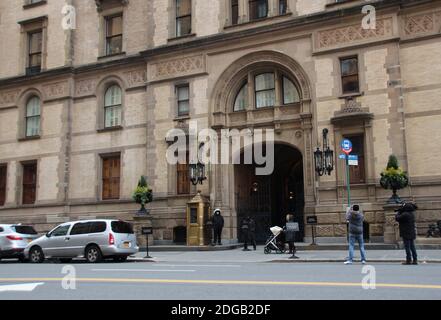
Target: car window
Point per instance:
(25, 230)
(122, 227)
(60, 231)
(1, 229)
(97, 227)
(80, 228)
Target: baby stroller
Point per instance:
(273, 243)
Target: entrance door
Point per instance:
(268, 199)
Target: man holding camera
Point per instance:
(355, 218)
(406, 218)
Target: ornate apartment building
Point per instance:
(89, 90)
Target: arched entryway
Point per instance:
(268, 199)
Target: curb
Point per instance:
(343, 260)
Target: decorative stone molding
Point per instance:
(86, 87)
(352, 34)
(351, 111)
(56, 90)
(8, 98)
(99, 4)
(179, 67)
(135, 78)
(422, 24)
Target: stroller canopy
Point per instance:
(276, 230)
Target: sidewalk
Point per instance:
(238, 256)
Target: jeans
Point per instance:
(359, 239)
(409, 246)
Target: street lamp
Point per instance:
(197, 173)
(324, 160)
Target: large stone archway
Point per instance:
(292, 126)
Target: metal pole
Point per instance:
(147, 244)
(348, 180)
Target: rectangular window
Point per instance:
(183, 17)
(265, 90)
(29, 183)
(111, 177)
(234, 12)
(35, 48)
(258, 9)
(183, 97)
(114, 34)
(183, 177)
(357, 174)
(349, 75)
(283, 6)
(3, 179)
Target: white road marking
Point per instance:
(199, 265)
(26, 287)
(141, 270)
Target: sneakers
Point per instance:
(363, 262)
(415, 262)
(348, 262)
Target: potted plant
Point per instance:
(142, 195)
(394, 178)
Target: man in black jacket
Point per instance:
(218, 225)
(406, 219)
(248, 227)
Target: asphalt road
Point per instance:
(177, 280)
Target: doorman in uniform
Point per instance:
(248, 228)
(218, 225)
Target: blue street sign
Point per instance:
(346, 146)
(342, 156)
(353, 157)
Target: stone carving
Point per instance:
(340, 230)
(8, 98)
(55, 90)
(325, 231)
(136, 77)
(354, 33)
(85, 87)
(177, 67)
(99, 4)
(417, 24)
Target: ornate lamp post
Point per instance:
(324, 159)
(197, 173)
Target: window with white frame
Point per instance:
(33, 112)
(112, 106)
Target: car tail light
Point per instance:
(111, 239)
(14, 238)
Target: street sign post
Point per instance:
(346, 147)
(147, 231)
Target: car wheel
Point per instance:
(36, 255)
(120, 259)
(93, 254)
(65, 260)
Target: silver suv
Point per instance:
(13, 240)
(92, 239)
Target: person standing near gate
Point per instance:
(248, 227)
(406, 219)
(218, 225)
(290, 234)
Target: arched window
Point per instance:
(270, 89)
(290, 92)
(33, 117)
(241, 101)
(112, 107)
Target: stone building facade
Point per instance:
(85, 111)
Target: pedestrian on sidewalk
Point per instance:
(355, 218)
(248, 227)
(290, 234)
(218, 225)
(406, 218)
